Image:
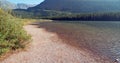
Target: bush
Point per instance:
(12, 34)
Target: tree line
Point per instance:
(57, 15)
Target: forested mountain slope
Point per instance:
(79, 5)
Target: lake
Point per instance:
(101, 37)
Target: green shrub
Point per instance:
(12, 34)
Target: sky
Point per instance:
(27, 1)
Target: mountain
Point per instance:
(24, 6)
(79, 6)
(7, 5)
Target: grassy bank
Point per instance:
(12, 34)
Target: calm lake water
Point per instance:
(102, 36)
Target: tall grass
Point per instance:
(12, 34)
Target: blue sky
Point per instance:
(27, 1)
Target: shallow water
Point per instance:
(106, 38)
